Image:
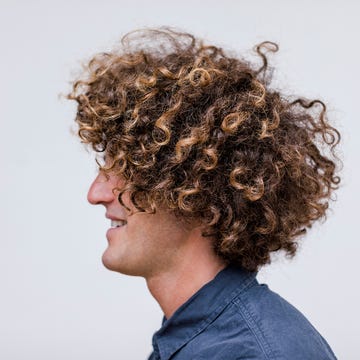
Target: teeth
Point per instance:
(118, 223)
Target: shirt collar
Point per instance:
(197, 313)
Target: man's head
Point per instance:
(146, 244)
(187, 130)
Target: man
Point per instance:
(206, 171)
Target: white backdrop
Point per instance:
(57, 301)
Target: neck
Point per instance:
(173, 287)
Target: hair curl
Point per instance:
(202, 133)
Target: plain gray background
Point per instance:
(57, 301)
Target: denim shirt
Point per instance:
(235, 317)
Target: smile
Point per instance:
(118, 223)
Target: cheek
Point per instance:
(125, 198)
(156, 232)
(142, 230)
(147, 232)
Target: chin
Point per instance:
(110, 261)
(115, 264)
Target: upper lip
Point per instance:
(111, 217)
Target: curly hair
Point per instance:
(202, 133)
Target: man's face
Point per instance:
(139, 244)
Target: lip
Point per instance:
(115, 218)
(113, 232)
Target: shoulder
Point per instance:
(260, 324)
(280, 327)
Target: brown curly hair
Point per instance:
(202, 133)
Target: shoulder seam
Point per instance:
(254, 328)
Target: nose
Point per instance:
(100, 191)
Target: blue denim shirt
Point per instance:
(235, 317)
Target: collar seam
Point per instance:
(170, 350)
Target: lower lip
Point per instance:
(114, 230)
